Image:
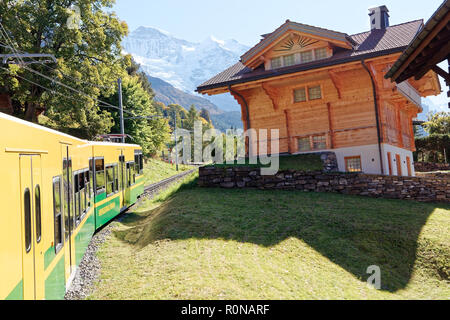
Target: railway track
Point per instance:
(166, 182)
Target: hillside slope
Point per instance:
(168, 94)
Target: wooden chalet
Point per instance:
(325, 91)
(430, 47)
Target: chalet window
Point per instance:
(306, 56)
(319, 142)
(300, 95)
(304, 144)
(320, 53)
(314, 93)
(353, 164)
(275, 63)
(311, 143)
(288, 60)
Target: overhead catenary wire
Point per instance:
(51, 90)
(39, 85)
(9, 44)
(2, 44)
(73, 89)
(15, 52)
(62, 84)
(9, 41)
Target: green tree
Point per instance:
(152, 133)
(438, 123)
(171, 110)
(191, 116)
(85, 39)
(205, 115)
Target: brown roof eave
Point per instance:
(301, 68)
(421, 35)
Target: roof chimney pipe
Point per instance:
(379, 17)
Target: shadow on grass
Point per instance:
(351, 231)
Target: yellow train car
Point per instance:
(56, 191)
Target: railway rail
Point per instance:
(163, 183)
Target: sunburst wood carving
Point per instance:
(302, 42)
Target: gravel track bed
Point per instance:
(89, 269)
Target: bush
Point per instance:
(433, 148)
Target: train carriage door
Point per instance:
(67, 198)
(33, 251)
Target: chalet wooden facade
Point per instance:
(325, 91)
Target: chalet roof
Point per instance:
(365, 45)
(429, 46)
(290, 25)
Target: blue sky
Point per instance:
(246, 20)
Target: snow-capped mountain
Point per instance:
(181, 63)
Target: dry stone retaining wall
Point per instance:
(431, 166)
(413, 188)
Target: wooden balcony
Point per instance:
(410, 93)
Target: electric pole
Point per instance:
(122, 129)
(176, 141)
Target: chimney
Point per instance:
(379, 17)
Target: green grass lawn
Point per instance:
(304, 162)
(157, 170)
(199, 243)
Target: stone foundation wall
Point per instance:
(413, 188)
(431, 166)
(437, 174)
(329, 161)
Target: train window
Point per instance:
(131, 178)
(37, 209)
(139, 162)
(91, 180)
(27, 211)
(72, 220)
(66, 195)
(120, 173)
(99, 176)
(57, 214)
(136, 163)
(87, 194)
(109, 180)
(116, 178)
(82, 193)
(76, 205)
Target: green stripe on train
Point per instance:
(83, 238)
(107, 211)
(100, 197)
(17, 292)
(55, 286)
(49, 255)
